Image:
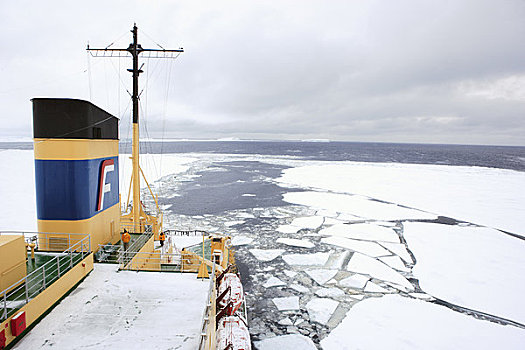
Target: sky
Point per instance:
(373, 71)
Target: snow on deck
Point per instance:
(125, 310)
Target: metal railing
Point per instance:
(153, 261)
(24, 290)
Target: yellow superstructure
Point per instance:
(12, 260)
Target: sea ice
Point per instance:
(337, 260)
(285, 322)
(321, 276)
(365, 247)
(273, 282)
(398, 249)
(310, 222)
(287, 229)
(286, 342)
(302, 243)
(312, 259)
(369, 232)
(372, 287)
(266, 254)
(329, 292)
(395, 322)
(289, 273)
(321, 309)
(286, 303)
(354, 281)
(355, 205)
(475, 267)
(366, 265)
(233, 223)
(299, 288)
(395, 262)
(480, 195)
(241, 240)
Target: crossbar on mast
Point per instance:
(135, 49)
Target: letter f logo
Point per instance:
(107, 166)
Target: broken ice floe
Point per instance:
(364, 231)
(321, 276)
(321, 309)
(364, 247)
(395, 262)
(329, 292)
(309, 222)
(315, 259)
(273, 282)
(372, 287)
(301, 243)
(357, 281)
(286, 342)
(286, 303)
(266, 254)
(299, 288)
(366, 265)
(241, 240)
(398, 249)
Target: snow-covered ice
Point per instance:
(286, 342)
(484, 196)
(355, 205)
(366, 265)
(395, 262)
(364, 231)
(395, 322)
(329, 292)
(354, 281)
(372, 287)
(266, 254)
(321, 276)
(241, 240)
(302, 243)
(321, 309)
(286, 303)
(400, 250)
(311, 222)
(273, 282)
(475, 267)
(311, 259)
(364, 247)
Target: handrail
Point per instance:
(32, 284)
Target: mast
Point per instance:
(135, 49)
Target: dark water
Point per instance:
(237, 185)
(487, 156)
(503, 157)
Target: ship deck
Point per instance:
(125, 309)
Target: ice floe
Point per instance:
(354, 281)
(372, 287)
(395, 262)
(355, 205)
(310, 222)
(273, 282)
(286, 303)
(395, 322)
(475, 267)
(302, 243)
(398, 249)
(484, 196)
(286, 342)
(289, 273)
(366, 265)
(299, 288)
(321, 309)
(364, 231)
(266, 254)
(365, 247)
(241, 240)
(312, 259)
(287, 229)
(329, 292)
(321, 276)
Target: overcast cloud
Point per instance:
(388, 71)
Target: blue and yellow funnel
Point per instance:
(76, 171)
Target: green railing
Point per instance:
(52, 267)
